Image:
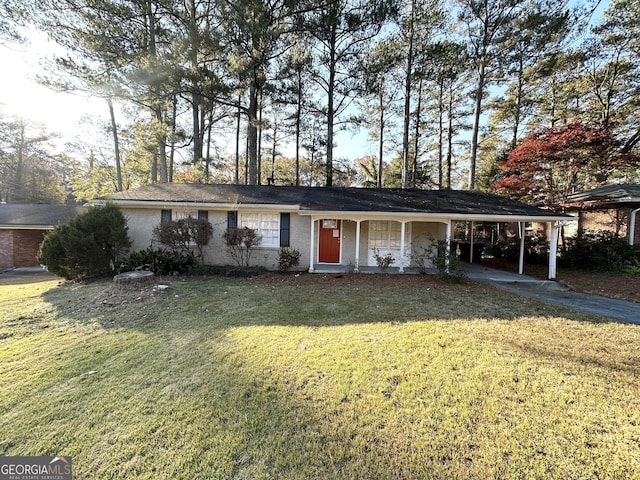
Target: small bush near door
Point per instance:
(288, 258)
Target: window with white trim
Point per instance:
(385, 235)
(267, 225)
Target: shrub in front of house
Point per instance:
(185, 236)
(288, 258)
(383, 261)
(160, 261)
(600, 251)
(240, 243)
(91, 244)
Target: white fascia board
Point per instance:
(27, 227)
(435, 217)
(155, 204)
(340, 215)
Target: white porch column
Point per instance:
(473, 224)
(632, 225)
(521, 257)
(448, 247)
(553, 250)
(402, 246)
(311, 245)
(356, 268)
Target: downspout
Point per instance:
(632, 225)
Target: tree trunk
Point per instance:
(407, 103)
(157, 109)
(440, 133)
(172, 150)
(259, 153)
(236, 177)
(252, 137)
(116, 145)
(416, 137)
(298, 121)
(196, 96)
(330, 114)
(380, 140)
(449, 136)
(477, 111)
(162, 146)
(207, 162)
(517, 114)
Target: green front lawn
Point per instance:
(315, 377)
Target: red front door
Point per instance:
(329, 241)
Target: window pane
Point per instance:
(326, 223)
(270, 229)
(249, 220)
(379, 234)
(394, 235)
(266, 225)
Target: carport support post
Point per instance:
(553, 250)
(471, 242)
(311, 244)
(521, 258)
(632, 225)
(448, 246)
(356, 267)
(402, 224)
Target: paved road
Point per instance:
(555, 293)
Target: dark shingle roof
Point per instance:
(35, 215)
(325, 199)
(609, 194)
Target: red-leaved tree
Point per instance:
(555, 162)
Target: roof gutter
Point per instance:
(154, 204)
(27, 227)
(345, 215)
(440, 217)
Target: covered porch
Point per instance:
(357, 239)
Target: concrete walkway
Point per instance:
(555, 293)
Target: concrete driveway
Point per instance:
(555, 293)
(22, 272)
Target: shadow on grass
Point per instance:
(296, 300)
(182, 388)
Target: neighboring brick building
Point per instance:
(22, 228)
(613, 208)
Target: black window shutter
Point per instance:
(165, 216)
(285, 227)
(203, 215)
(232, 220)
